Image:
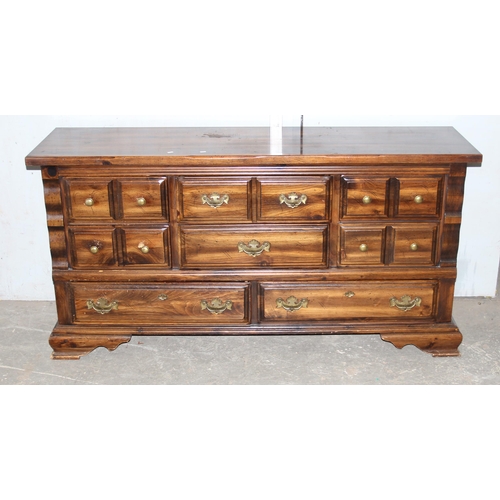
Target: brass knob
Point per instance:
(94, 249)
(363, 247)
(145, 249)
(89, 202)
(414, 247)
(141, 201)
(418, 199)
(366, 200)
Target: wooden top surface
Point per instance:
(252, 146)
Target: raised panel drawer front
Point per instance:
(288, 199)
(88, 198)
(415, 244)
(214, 200)
(92, 247)
(419, 196)
(253, 246)
(143, 199)
(362, 245)
(365, 197)
(347, 301)
(146, 247)
(160, 304)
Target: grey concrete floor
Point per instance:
(364, 360)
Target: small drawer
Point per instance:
(143, 199)
(160, 304)
(92, 247)
(146, 246)
(415, 245)
(365, 197)
(88, 198)
(292, 302)
(258, 247)
(419, 197)
(362, 245)
(291, 199)
(214, 200)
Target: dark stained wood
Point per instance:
(151, 233)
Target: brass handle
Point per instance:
(293, 200)
(215, 200)
(418, 199)
(94, 249)
(143, 247)
(366, 200)
(405, 303)
(363, 247)
(292, 303)
(102, 306)
(141, 201)
(89, 202)
(216, 306)
(414, 247)
(254, 248)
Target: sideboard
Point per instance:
(204, 231)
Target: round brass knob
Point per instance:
(94, 249)
(418, 199)
(145, 249)
(89, 202)
(141, 201)
(363, 247)
(366, 200)
(414, 247)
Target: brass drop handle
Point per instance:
(292, 303)
(418, 199)
(215, 200)
(254, 248)
(141, 201)
(405, 303)
(367, 200)
(413, 247)
(143, 247)
(102, 306)
(89, 202)
(363, 247)
(293, 200)
(216, 306)
(94, 249)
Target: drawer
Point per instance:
(260, 246)
(93, 247)
(214, 200)
(145, 247)
(160, 304)
(419, 196)
(361, 245)
(143, 198)
(292, 199)
(292, 302)
(88, 198)
(415, 244)
(364, 197)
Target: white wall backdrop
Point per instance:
(25, 267)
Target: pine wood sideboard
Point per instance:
(204, 231)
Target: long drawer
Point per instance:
(346, 301)
(253, 247)
(160, 304)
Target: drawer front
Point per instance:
(415, 244)
(88, 198)
(145, 247)
(143, 199)
(365, 197)
(92, 247)
(347, 301)
(214, 200)
(170, 303)
(419, 197)
(362, 245)
(291, 199)
(242, 247)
